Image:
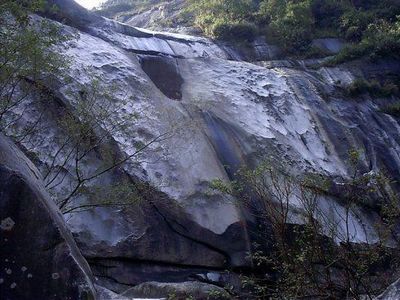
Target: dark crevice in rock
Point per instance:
(225, 142)
(171, 226)
(153, 53)
(146, 192)
(108, 263)
(113, 280)
(164, 73)
(116, 274)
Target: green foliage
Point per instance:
(383, 39)
(243, 31)
(375, 38)
(380, 39)
(290, 22)
(293, 24)
(224, 19)
(348, 53)
(315, 260)
(232, 10)
(354, 22)
(373, 87)
(27, 54)
(123, 194)
(19, 10)
(31, 57)
(87, 131)
(112, 8)
(392, 109)
(222, 186)
(327, 13)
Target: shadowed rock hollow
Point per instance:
(164, 72)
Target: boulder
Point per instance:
(181, 290)
(329, 45)
(39, 258)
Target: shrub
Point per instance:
(291, 22)
(393, 109)
(327, 13)
(371, 25)
(27, 59)
(354, 22)
(383, 38)
(380, 39)
(348, 53)
(316, 52)
(112, 10)
(318, 259)
(389, 89)
(362, 86)
(244, 31)
(219, 18)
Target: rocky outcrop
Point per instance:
(159, 16)
(39, 258)
(392, 292)
(329, 45)
(196, 290)
(230, 113)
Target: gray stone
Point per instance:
(329, 45)
(182, 290)
(39, 258)
(230, 113)
(105, 294)
(391, 293)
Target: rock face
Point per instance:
(230, 113)
(329, 45)
(39, 259)
(392, 292)
(159, 15)
(196, 290)
(164, 73)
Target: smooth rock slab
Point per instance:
(392, 292)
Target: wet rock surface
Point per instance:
(39, 258)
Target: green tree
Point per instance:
(26, 56)
(86, 133)
(224, 19)
(291, 22)
(32, 57)
(316, 259)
